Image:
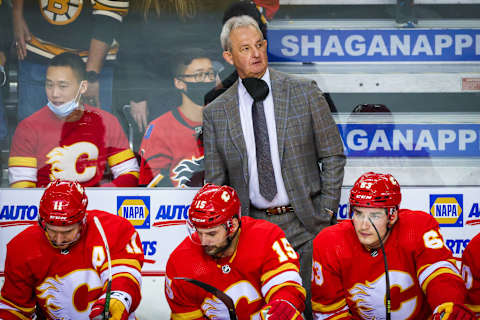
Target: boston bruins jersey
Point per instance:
(64, 285)
(59, 26)
(348, 281)
(45, 148)
(172, 152)
(471, 273)
(264, 267)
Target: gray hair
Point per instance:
(232, 24)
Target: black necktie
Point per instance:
(258, 90)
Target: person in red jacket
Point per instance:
(69, 140)
(349, 279)
(59, 269)
(250, 260)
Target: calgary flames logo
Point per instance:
(61, 12)
(213, 308)
(67, 297)
(189, 173)
(370, 296)
(63, 161)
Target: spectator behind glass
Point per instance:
(171, 150)
(70, 140)
(349, 261)
(41, 31)
(152, 32)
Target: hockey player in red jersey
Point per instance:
(248, 259)
(348, 275)
(69, 140)
(471, 273)
(59, 269)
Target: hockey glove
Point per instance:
(280, 310)
(451, 311)
(117, 310)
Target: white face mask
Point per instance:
(65, 109)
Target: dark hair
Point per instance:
(184, 57)
(246, 8)
(72, 60)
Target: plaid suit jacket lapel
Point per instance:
(280, 105)
(234, 126)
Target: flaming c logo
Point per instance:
(189, 172)
(63, 161)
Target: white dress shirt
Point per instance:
(245, 105)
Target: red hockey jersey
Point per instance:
(348, 282)
(471, 273)
(64, 286)
(172, 153)
(263, 267)
(45, 148)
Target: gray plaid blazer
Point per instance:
(309, 144)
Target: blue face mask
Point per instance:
(65, 109)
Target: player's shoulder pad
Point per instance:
(338, 234)
(27, 237)
(261, 227)
(416, 218)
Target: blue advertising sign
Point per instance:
(374, 45)
(411, 140)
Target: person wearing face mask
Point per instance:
(69, 140)
(172, 150)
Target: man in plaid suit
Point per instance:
(305, 145)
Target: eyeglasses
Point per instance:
(200, 76)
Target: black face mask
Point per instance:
(196, 91)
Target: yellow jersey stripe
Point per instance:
(129, 262)
(325, 308)
(437, 273)
(23, 184)
(120, 157)
(187, 315)
(283, 267)
(22, 162)
(285, 284)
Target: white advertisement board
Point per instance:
(159, 217)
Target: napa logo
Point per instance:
(447, 209)
(135, 209)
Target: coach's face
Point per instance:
(248, 52)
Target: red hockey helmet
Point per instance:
(63, 203)
(212, 206)
(376, 190)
